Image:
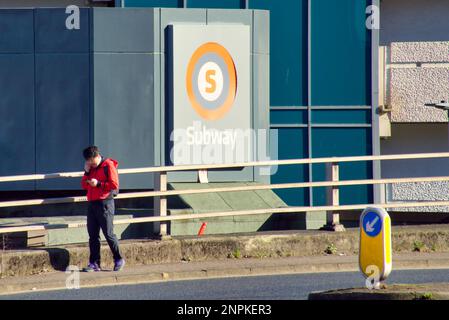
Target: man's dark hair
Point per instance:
(91, 152)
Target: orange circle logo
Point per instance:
(211, 81)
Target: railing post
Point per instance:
(333, 198)
(160, 203)
(202, 176)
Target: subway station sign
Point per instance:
(375, 255)
(210, 102)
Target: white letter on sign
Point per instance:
(73, 20)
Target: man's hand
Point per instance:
(92, 182)
(86, 167)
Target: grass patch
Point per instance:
(236, 254)
(331, 249)
(424, 296)
(418, 246)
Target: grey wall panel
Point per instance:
(123, 115)
(46, 3)
(188, 176)
(213, 176)
(53, 36)
(16, 31)
(230, 16)
(169, 16)
(261, 25)
(98, 86)
(158, 126)
(261, 109)
(17, 119)
(246, 174)
(62, 115)
(125, 30)
(261, 91)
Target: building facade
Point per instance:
(414, 72)
(322, 91)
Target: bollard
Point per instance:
(202, 229)
(375, 252)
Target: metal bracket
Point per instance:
(385, 108)
(443, 105)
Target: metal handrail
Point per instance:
(233, 165)
(148, 194)
(333, 183)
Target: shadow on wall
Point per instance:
(59, 258)
(414, 20)
(284, 221)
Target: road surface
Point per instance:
(274, 287)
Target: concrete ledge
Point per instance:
(423, 240)
(431, 291)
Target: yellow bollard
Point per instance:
(375, 252)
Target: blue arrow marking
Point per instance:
(372, 224)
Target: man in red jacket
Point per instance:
(101, 182)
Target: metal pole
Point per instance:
(160, 203)
(333, 198)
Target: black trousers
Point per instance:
(100, 215)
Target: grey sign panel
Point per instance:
(17, 31)
(245, 17)
(169, 16)
(211, 98)
(17, 119)
(62, 116)
(52, 34)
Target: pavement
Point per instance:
(213, 269)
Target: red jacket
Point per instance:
(107, 182)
